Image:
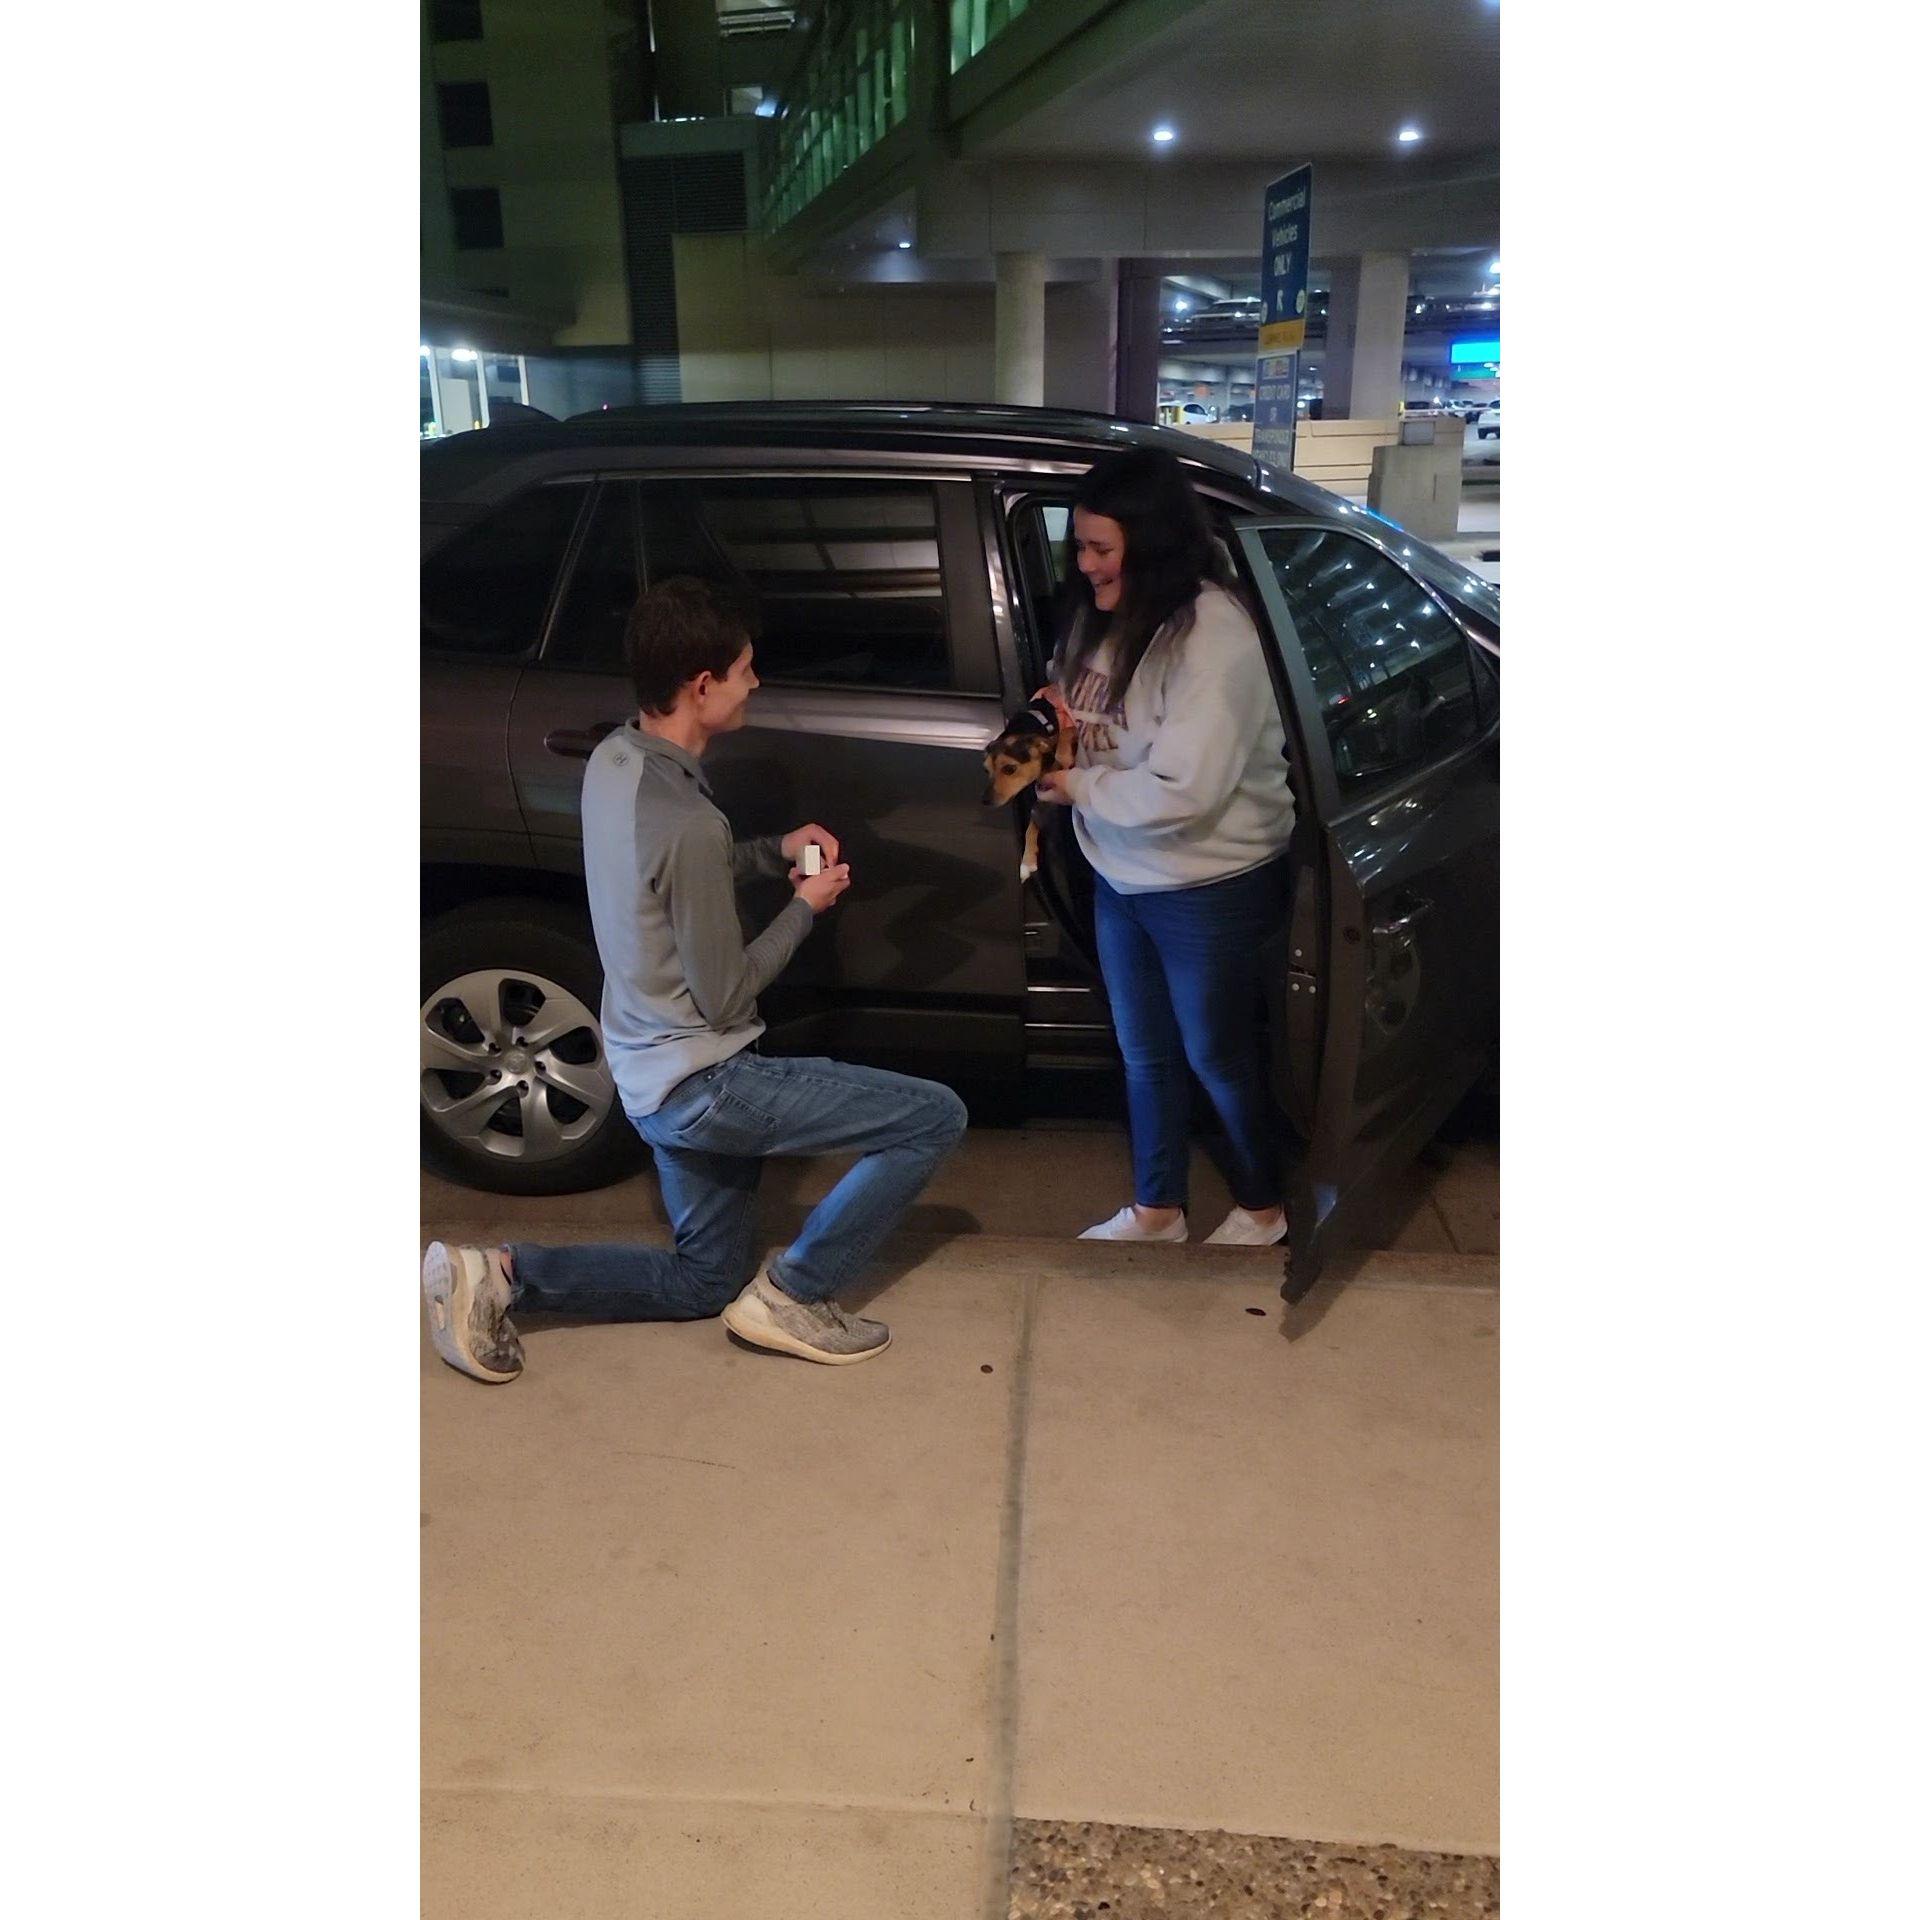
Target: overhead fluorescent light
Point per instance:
(1408, 135)
(1162, 135)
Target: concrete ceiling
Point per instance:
(1251, 87)
(1267, 79)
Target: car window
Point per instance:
(590, 625)
(486, 591)
(1042, 538)
(1389, 668)
(845, 573)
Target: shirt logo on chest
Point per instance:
(1096, 712)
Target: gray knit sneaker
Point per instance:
(467, 1293)
(764, 1317)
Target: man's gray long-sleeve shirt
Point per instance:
(681, 981)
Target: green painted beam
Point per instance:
(1033, 58)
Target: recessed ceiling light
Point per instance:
(1408, 135)
(1495, 269)
(906, 243)
(1161, 135)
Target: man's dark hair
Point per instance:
(681, 629)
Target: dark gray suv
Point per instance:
(907, 561)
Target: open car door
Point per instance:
(1385, 993)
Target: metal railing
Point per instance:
(853, 87)
(977, 24)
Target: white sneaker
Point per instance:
(1126, 1225)
(1241, 1229)
(468, 1293)
(763, 1316)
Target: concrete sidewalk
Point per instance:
(1108, 1537)
(1043, 1178)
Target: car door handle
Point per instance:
(1411, 909)
(578, 743)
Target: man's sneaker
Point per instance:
(1127, 1225)
(1241, 1229)
(467, 1293)
(815, 1330)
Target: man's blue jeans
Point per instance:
(1182, 972)
(708, 1142)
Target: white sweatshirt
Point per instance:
(1185, 780)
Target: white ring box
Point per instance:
(810, 860)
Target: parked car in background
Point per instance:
(908, 563)
(1220, 320)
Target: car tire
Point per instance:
(500, 967)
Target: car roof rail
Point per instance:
(512, 413)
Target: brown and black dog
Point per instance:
(1033, 743)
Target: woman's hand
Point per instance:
(1053, 790)
(1062, 712)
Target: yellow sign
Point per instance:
(1283, 336)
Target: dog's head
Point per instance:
(1017, 759)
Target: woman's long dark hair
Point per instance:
(1169, 556)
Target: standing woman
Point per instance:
(1181, 805)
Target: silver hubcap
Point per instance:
(511, 1065)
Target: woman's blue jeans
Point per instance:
(1182, 972)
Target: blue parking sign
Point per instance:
(1275, 409)
(1283, 315)
(1283, 262)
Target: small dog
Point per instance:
(1032, 744)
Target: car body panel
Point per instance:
(468, 809)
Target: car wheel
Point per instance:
(515, 1092)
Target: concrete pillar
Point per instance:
(1020, 329)
(1080, 342)
(432, 362)
(1366, 337)
(1136, 387)
(461, 407)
